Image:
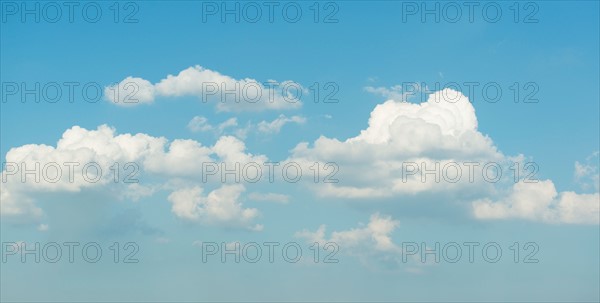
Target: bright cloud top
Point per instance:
(443, 130)
(95, 154)
(438, 133)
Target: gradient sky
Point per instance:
(363, 59)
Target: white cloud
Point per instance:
(541, 202)
(130, 91)
(374, 236)
(136, 191)
(183, 158)
(276, 125)
(211, 86)
(230, 126)
(447, 115)
(147, 156)
(582, 170)
(17, 205)
(231, 149)
(219, 207)
(231, 122)
(370, 243)
(442, 130)
(199, 124)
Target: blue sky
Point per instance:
(370, 214)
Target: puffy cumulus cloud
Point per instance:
(184, 157)
(85, 159)
(446, 122)
(434, 150)
(130, 91)
(187, 159)
(442, 131)
(541, 202)
(220, 207)
(82, 158)
(232, 149)
(228, 93)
